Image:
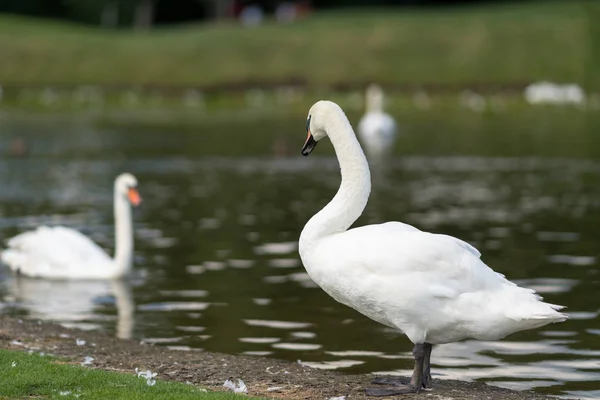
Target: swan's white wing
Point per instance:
(430, 286)
(395, 248)
(388, 228)
(464, 245)
(55, 252)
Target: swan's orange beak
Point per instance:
(134, 197)
(309, 145)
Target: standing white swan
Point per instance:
(432, 287)
(64, 253)
(376, 129)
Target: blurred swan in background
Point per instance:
(553, 93)
(64, 253)
(74, 304)
(376, 129)
(432, 287)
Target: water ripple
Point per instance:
(276, 248)
(297, 346)
(331, 364)
(259, 339)
(277, 324)
(174, 306)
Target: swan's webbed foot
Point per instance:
(392, 390)
(389, 380)
(421, 377)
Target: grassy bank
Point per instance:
(34, 376)
(265, 377)
(505, 44)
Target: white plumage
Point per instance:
(433, 287)
(377, 130)
(64, 253)
(55, 252)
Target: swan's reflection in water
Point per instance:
(76, 304)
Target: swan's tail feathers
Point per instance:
(539, 314)
(12, 256)
(13, 259)
(552, 314)
(19, 249)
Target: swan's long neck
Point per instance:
(374, 100)
(353, 194)
(123, 235)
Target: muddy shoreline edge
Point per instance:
(210, 370)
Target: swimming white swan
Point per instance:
(64, 253)
(376, 129)
(432, 287)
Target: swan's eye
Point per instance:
(308, 124)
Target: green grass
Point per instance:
(554, 40)
(35, 376)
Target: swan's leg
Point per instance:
(416, 382)
(417, 377)
(427, 380)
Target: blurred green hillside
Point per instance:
(491, 44)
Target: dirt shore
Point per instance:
(284, 379)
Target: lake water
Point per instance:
(216, 262)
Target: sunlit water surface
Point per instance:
(216, 262)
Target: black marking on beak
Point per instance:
(309, 145)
